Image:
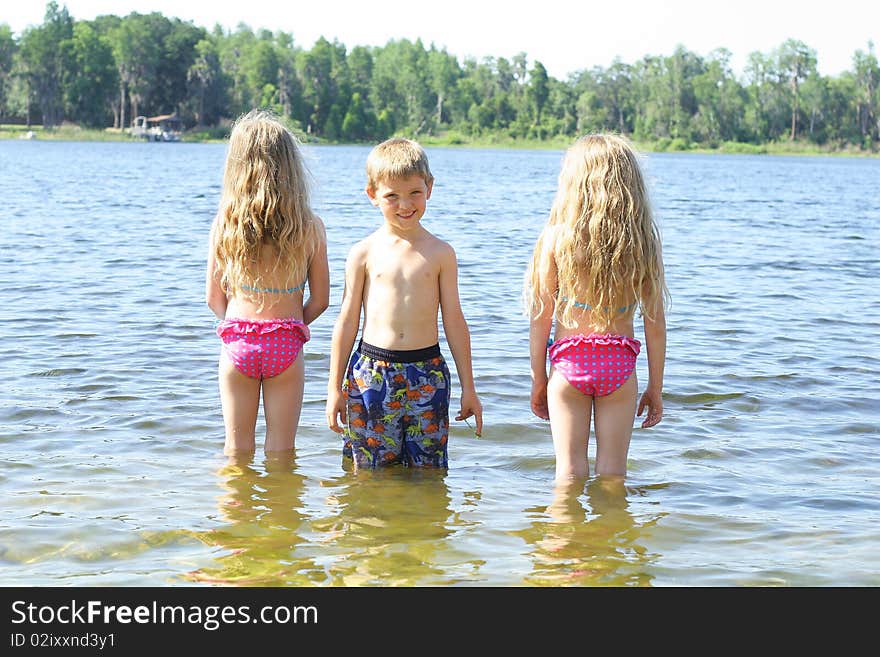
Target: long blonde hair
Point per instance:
(264, 213)
(603, 237)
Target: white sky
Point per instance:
(564, 35)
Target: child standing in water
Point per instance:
(393, 393)
(597, 260)
(266, 247)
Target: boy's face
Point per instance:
(401, 200)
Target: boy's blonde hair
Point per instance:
(397, 158)
(604, 239)
(264, 209)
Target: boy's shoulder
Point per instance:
(375, 247)
(363, 244)
(436, 242)
(377, 239)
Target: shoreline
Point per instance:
(453, 140)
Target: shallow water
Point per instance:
(764, 470)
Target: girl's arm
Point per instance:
(215, 297)
(319, 279)
(344, 332)
(459, 338)
(655, 337)
(541, 325)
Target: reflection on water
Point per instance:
(376, 528)
(399, 527)
(262, 508)
(387, 527)
(592, 544)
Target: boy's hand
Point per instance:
(470, 405)
(336, 412)
(539, 400)
(653, 401)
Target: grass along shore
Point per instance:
(451, 138)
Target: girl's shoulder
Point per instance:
(319, 227)
(551, 237)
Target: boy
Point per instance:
(396, 387)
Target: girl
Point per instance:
(266, 246)
(597, 260)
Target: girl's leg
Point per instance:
(614, 424)
(282, 404)
(240, 399)
(570, 425)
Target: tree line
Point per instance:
(106, 71)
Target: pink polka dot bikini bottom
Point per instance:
(596, 364)
(262, 348)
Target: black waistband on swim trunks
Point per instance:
(399, 355)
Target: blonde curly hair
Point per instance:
(265, 229)
(603, 237)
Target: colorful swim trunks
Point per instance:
(398, 407)
(595, 364)
(262, 348)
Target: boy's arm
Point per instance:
(319, 279)
(458, 337)
(655, 337)
(344, 332)
(215, 297)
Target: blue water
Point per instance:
(764, 470)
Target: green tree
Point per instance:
(137, 49)
(107, 26)
(841, 124)
(684, 67)
(480, 104)
(719, 100)
(401, 84)
(444, 73)
(360, 70)
(617, 89)
(814, 100)
(178, 53)
(8, 50)
(538, 90)
(796, 61)
(321, 71)
(867, 100)
(757, 77)
(359, 123)
(45, 55)
(560, 112)
(289, 86)
(261, 66)
(233, 49)
(205, 79)
(93, 80)
(589, 106)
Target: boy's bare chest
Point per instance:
(402, 269)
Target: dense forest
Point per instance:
(104, 72)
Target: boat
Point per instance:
(165, 127)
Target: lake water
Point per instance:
(765, 470)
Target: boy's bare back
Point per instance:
(401, 287)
